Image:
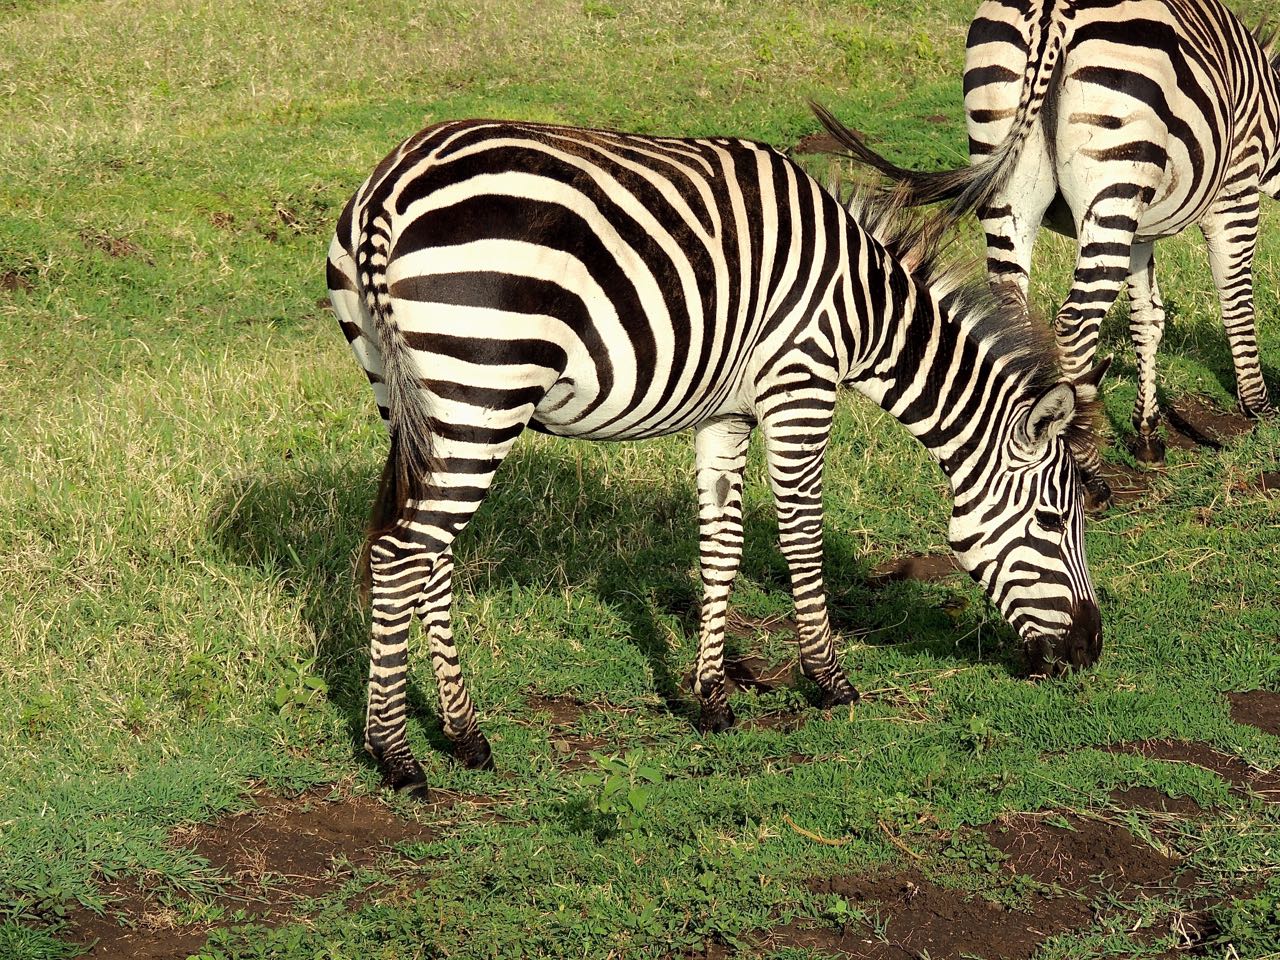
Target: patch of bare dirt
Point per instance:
(818, 143)
(1232, 769)
(1147, 798)
(572, 749)
(1266, 483)
(928, 567)
(1084, 854)
(1257, 708)
(938, 118)
(112, 246)
(563, 711)
(1199, 420)
(1127, 483)
(12, 280)
(272, 857)
(755, 673)
(913, 917)
(222, 219)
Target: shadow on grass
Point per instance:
(547, 518)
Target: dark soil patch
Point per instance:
(1088, 855)
(756, 673)
(1232, 769)
(918, 918)
(572, 750)
(11, 280)
(938, 118)
(564, 711)
(1146, 798)
(286, 850)
(929, 567)
(1127, 483)
(1198, 419)
(818, 143)
(112, 246)
(222, 219)
(303, 840)
(1266, 483)
(1257, 708)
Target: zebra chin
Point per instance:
(1078, 647)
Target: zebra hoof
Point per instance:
(474, 753)
(1097, 495)
(1149, 449)
(1265, 412)
(716, 718)
(845, 694)
(407, 779)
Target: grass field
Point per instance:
(187, 453)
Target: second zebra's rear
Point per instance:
(1118, 122)
(604, 286)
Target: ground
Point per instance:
(187, 455)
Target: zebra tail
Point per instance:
(409, 461)
(972, 187)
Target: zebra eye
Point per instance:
(1051, 521)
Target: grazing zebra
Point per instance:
(495, 275)
(1118, 122)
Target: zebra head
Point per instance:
(1017, 525)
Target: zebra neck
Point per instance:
(934, 372)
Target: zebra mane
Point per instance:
(1267, 35)
(1021, 339)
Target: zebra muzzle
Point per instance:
(1079, 647)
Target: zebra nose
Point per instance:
(1077, 648)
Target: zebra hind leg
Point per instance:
(720, 448)
(1231, 232)
(457, 713)
(1102, 267)
(411, 572)
(1146, 329)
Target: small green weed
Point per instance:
(623, 787)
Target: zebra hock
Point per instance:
(1117, 123)
(492, 276)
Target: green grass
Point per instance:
(187, 453)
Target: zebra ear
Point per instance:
(1049, 416)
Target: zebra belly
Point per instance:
(470, 356)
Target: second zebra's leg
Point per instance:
(795, 435)
(1231, 232)
(720, 448)
(1102, 267)
(1146, 329)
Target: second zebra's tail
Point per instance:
(972, 187)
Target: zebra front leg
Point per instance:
(1146, 329)
(795, 442)
(1231, 232)
(720, 449)
(457, 713)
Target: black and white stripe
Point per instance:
(492, 276)
(1119, 122)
